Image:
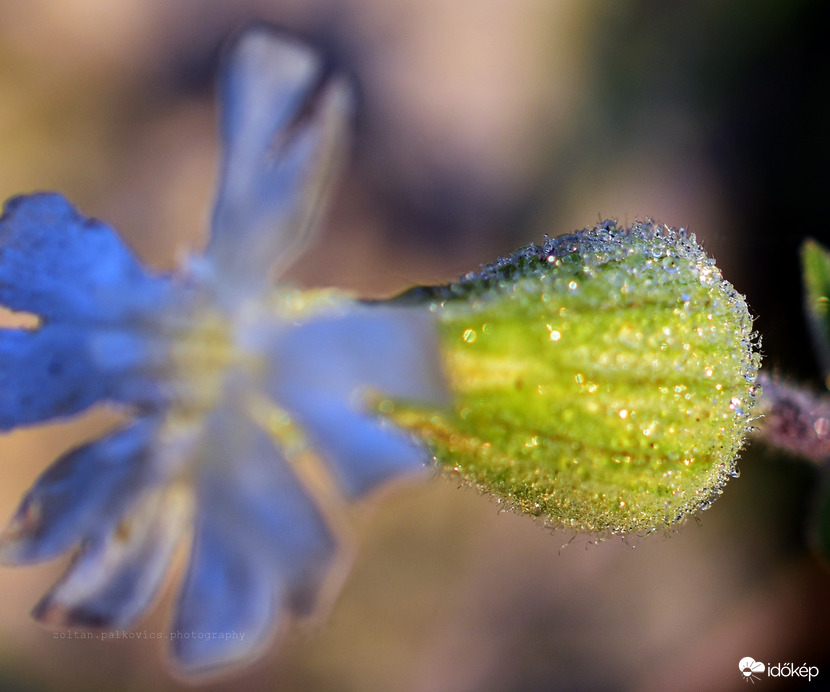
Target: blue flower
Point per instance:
(248, 401)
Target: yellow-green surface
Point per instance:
(815, 262)
(603, 381)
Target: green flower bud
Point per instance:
(603, 380)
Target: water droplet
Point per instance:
(670, 265)
(469, 335)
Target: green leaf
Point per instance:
(603, 381)
(815, 263)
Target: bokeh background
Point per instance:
(483, 124)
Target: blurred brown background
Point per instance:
(483, 125)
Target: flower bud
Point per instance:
(603, 380)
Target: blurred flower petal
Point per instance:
(362, 450)
(253, 492)
(46, 374)
(229, 602)
(87, 488)
(343, 352)
(283, 129)
(388, 350)
(80, 279)
(262, 549)
(61, 369)
(58, 264)
(118, 572)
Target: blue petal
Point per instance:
(61, 369)
(228, 605)
(362, 451)
(87, 287)
(44, 374)
(119, 571)
(88, 488)
(261, 547)
(324, 366)
(60, 265)
(283, 128)
(251, 489)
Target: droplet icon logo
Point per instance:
(751, 669)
